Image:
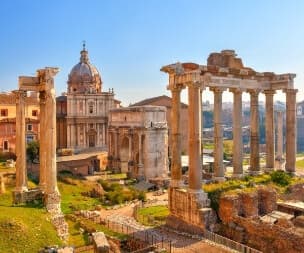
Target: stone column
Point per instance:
(140, 151)
(254, 132)
(279, 135)
(176, 167)
(219, 173)
(21, 174)
(52, 198)
(42, 147)
(68, 136)
(49, 140)
(291, 130)
(130, 148)
(194, 123)
(269, 127)
(115, 148)
(237, 133)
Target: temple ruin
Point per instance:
(224, 71)
(44, 84)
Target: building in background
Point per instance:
(82, 114)
(138, 142)
(8, 120)
(167, 102)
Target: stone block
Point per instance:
(100, 243)
(267, 200)
(27, 196)
(229, 207)
(249, 203)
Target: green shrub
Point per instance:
(118, 194)
(280, 178)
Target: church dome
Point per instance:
(84, 77)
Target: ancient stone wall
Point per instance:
(191, 212)
(27, 196)
(247, 204)
(240, 222)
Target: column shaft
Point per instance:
(49, 140)
(140, 162)
(176, 168)
(219, 172)
(254, 132)
(237, 133)
(279, 135)
(269, 127)
(21, 174)
(194, 121)
(42, 146)
(291, 130)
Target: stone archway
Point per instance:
(124, 154)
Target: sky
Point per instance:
(129, 41)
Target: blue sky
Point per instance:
(129, 41)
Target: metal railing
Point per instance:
(229, 243)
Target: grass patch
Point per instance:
(24, 228)
(150, 216)
(72, 194)
(300, 164)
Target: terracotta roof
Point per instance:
(148, 101)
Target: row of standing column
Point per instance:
(194, 96)
(47, 157)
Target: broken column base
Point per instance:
(190, 211)
(22, 197)
(52, 201)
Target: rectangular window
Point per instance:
(34, 113)
(91, 109)
(4, 112)
(5, 146)
(29, 138)
(29, 127)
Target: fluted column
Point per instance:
(254, 132)
(269, 127)
(176, 168)
(42, 147)
(219, 173)
(194, 123)
(291, 130)
(21, 175)
(237, 133)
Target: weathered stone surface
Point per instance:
(295, 192)
(191, 208)
(249, 204)
(267, 200)
(100, 243)
(27, 196)
(299, 221)
(229, 208)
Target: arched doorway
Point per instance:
(124, 154)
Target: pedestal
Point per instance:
(190, 211)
